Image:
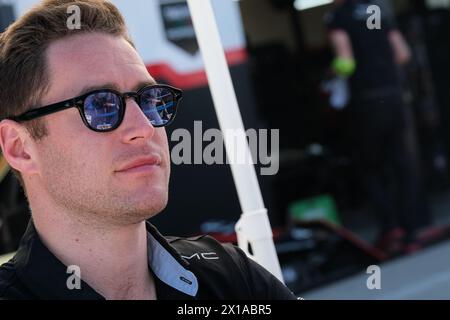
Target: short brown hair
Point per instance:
(24, 77)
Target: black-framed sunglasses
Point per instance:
(103, 110)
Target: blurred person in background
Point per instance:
(422, 93)
(368, 53)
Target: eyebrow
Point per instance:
(114, 86)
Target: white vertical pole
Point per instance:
(253, 227)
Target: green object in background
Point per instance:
(317, 208)
(344, 67)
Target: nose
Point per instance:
(135, 125)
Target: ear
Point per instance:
(18, 147)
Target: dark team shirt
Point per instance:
(183, 268)
(375, 65)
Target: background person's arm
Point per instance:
(341, 44)
(402, 53)
(344, 63)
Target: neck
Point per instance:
(113, 259)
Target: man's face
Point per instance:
(79, 169)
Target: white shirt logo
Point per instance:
(202, 255)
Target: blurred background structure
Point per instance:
(326, 228)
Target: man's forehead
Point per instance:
(115, 86)
(88, 62)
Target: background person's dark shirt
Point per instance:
(375, 65)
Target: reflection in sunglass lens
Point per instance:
(102, 110)
(158, 104)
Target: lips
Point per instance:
(140, 164)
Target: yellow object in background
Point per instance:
(6, 258)
(4, 168)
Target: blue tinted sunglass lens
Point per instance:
(102, 110)
(158, 104)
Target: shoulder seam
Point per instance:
(190, 239)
